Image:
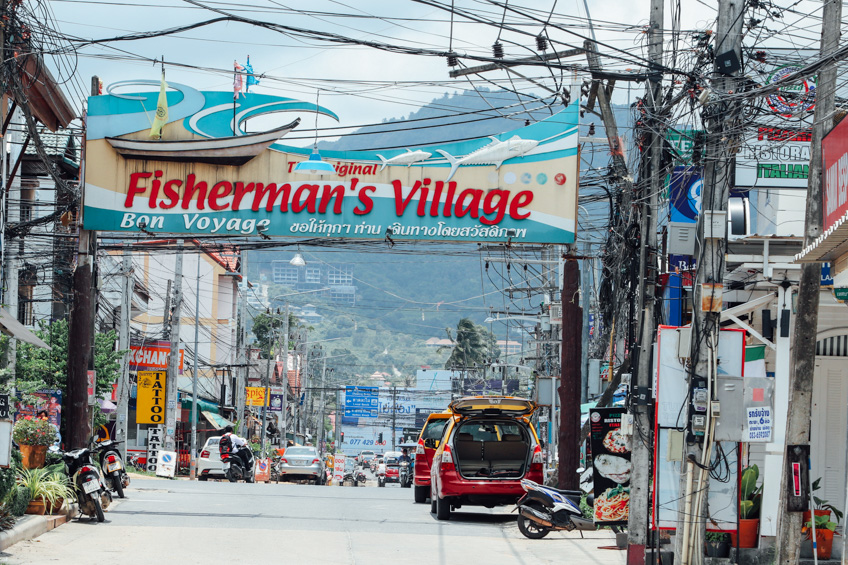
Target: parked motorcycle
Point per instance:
(359, 478)
(235, 468)
(404, 475)
(112, 465)
(91, 493)
(546, 509)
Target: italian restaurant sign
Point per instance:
(835, 177)
(200, 179)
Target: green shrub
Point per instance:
(19, 501)
(7, 519)
(7, 480)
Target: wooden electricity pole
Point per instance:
(652, 180)
(721, 114)
(569, 389)
(806, 320)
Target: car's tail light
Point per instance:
(314, 461)
(536, 461)
(447, 460)
(284, 460)
(420, 449)
(204, 454)
(111, 458)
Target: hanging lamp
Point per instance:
(315, 165)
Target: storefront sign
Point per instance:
(4, 407)
(338, 469)
(48, 399)
(151, 357)
(612, 467)
(150, 397)
(92, 386)
(520, 186)
(841, 294)
(154, 444)
(255, 396)
(835, 165)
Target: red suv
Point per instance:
(428, 441)
(486, 449)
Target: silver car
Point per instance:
(301, 463)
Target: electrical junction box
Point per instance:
(684, 342)
(681, 238)
(747, 412)
(626, 424)
(715, 224)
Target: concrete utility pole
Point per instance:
(652, 180)
(722, 125)
(283, 427)
(194, 375)
(80, 335)
(807, 305)
(170, 442)
(569, 388)
(124, 344)
(241, 349)
(394, 415)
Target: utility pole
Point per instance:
(80, 335)
(806, 320)
(394, 415)
(124, 344)
(652, 180)
(284, 425)
(194, 375)
(721, 118)
(170, 442)
(241, 349)
(569, 386)
(585, 299)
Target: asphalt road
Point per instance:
(167, 521)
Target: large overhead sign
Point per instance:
(200, 179)
(777, 152)
(835, 165)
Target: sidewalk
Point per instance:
(30, 526)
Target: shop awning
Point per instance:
(11, 327)
(218, 422)
(202, 405)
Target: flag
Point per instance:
(237, 80)
(161, 110)
(755, 361)
(251, 78)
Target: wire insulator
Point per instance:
(453, 59)
(541, 42)
(497, 50)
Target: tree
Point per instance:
(267, 328)
(39, 368)
(474, 346)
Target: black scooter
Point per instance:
(238, 466)
(112, 466)
(90, 491)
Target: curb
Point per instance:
(30, 526)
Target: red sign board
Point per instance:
(835, 174)
(151, 357)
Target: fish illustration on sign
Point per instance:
(407, 158)
(494, 153)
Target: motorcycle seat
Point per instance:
(575, 496)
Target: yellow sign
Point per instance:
(255, 396)
(150, 397)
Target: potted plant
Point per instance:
(47, 490)
(33, 436)
(824, 535)
(717, 544)
(751, 497)
(823, 507)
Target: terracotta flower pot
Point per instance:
(33, 456)
(55, 508)
(36, 507)
(824, 542)
(806, 516)
(749, 531)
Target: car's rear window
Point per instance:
(300, 451)
(392, 462)
(494, 431)
(213, 441)
(434, 428)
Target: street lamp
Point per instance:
(298, 260)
